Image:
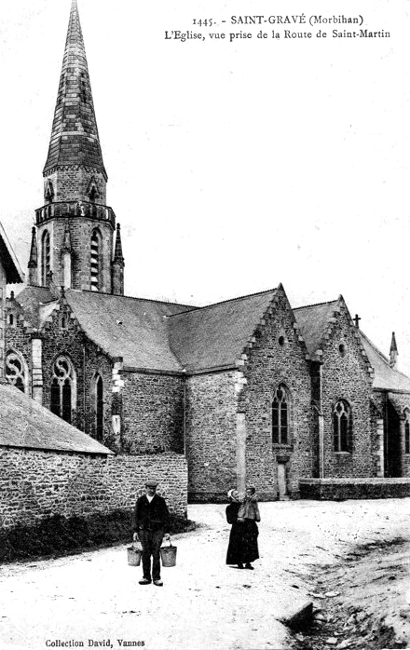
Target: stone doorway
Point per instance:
(392, 444)
(282, 483)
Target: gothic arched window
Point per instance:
(92, 190)
(63, 389)
(342, 416)
(99, 407)
(45, 258)
(49, 191)
(407, 431)
(280, 416)
(16, 371)
(95, 261)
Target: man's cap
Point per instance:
(151, 483)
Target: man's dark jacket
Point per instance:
(151, 516)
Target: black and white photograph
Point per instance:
(204, 325)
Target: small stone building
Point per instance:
(49, 467)
(247, 390)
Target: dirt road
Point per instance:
(342, 549)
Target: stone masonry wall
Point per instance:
(211, 435)
(18, 337)
(36, 484)
(2, 316)
(81, 230)
(401, 401)
(153, 413)
(62, 335)
(72, 183)
(340, 489)
(345, 376)
(277, 356)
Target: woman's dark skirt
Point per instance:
(243, 543)
(235, 547)
(250, 540)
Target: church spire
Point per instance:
(393, 352)
(74, 137)
(75, 226)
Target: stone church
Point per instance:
(248, 389)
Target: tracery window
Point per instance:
(16, 373)
(63, 389)
(95, 261)
(407, 431)
(341, 426)
(45, 258)
(99, 407)
(280, 416)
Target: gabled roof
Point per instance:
(24, 423)
(132, 328)
(9, 261)
(385, 377)
(37, 304)
(74, 136)
(313, 321)
(169, 337)
(215, 336)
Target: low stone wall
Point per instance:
(36, 484)
(354, 488)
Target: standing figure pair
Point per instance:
(243, 539)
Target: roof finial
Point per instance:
(33, 251)
(393, 352)
(118, 256)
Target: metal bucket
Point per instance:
(168, 555)
(134, 556)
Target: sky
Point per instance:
(233, 164)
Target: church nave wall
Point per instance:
(152, 413)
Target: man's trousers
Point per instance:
(151, 542)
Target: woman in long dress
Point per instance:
(235, 547)
(248, 514)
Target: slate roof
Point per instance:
(132, 328)
(385, 377)
(24, 423)
(74, 135)
(37, 303)
(215, 336)
(9, 261)
(313, 321)
(170, 337)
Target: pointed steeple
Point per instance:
(118, 256)
(74, 136)
(118, 266)
(32, 264)
(75, 226)
(393, 352)
(33, 250)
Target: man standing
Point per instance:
(151, 524)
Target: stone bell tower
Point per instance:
(75, 241)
